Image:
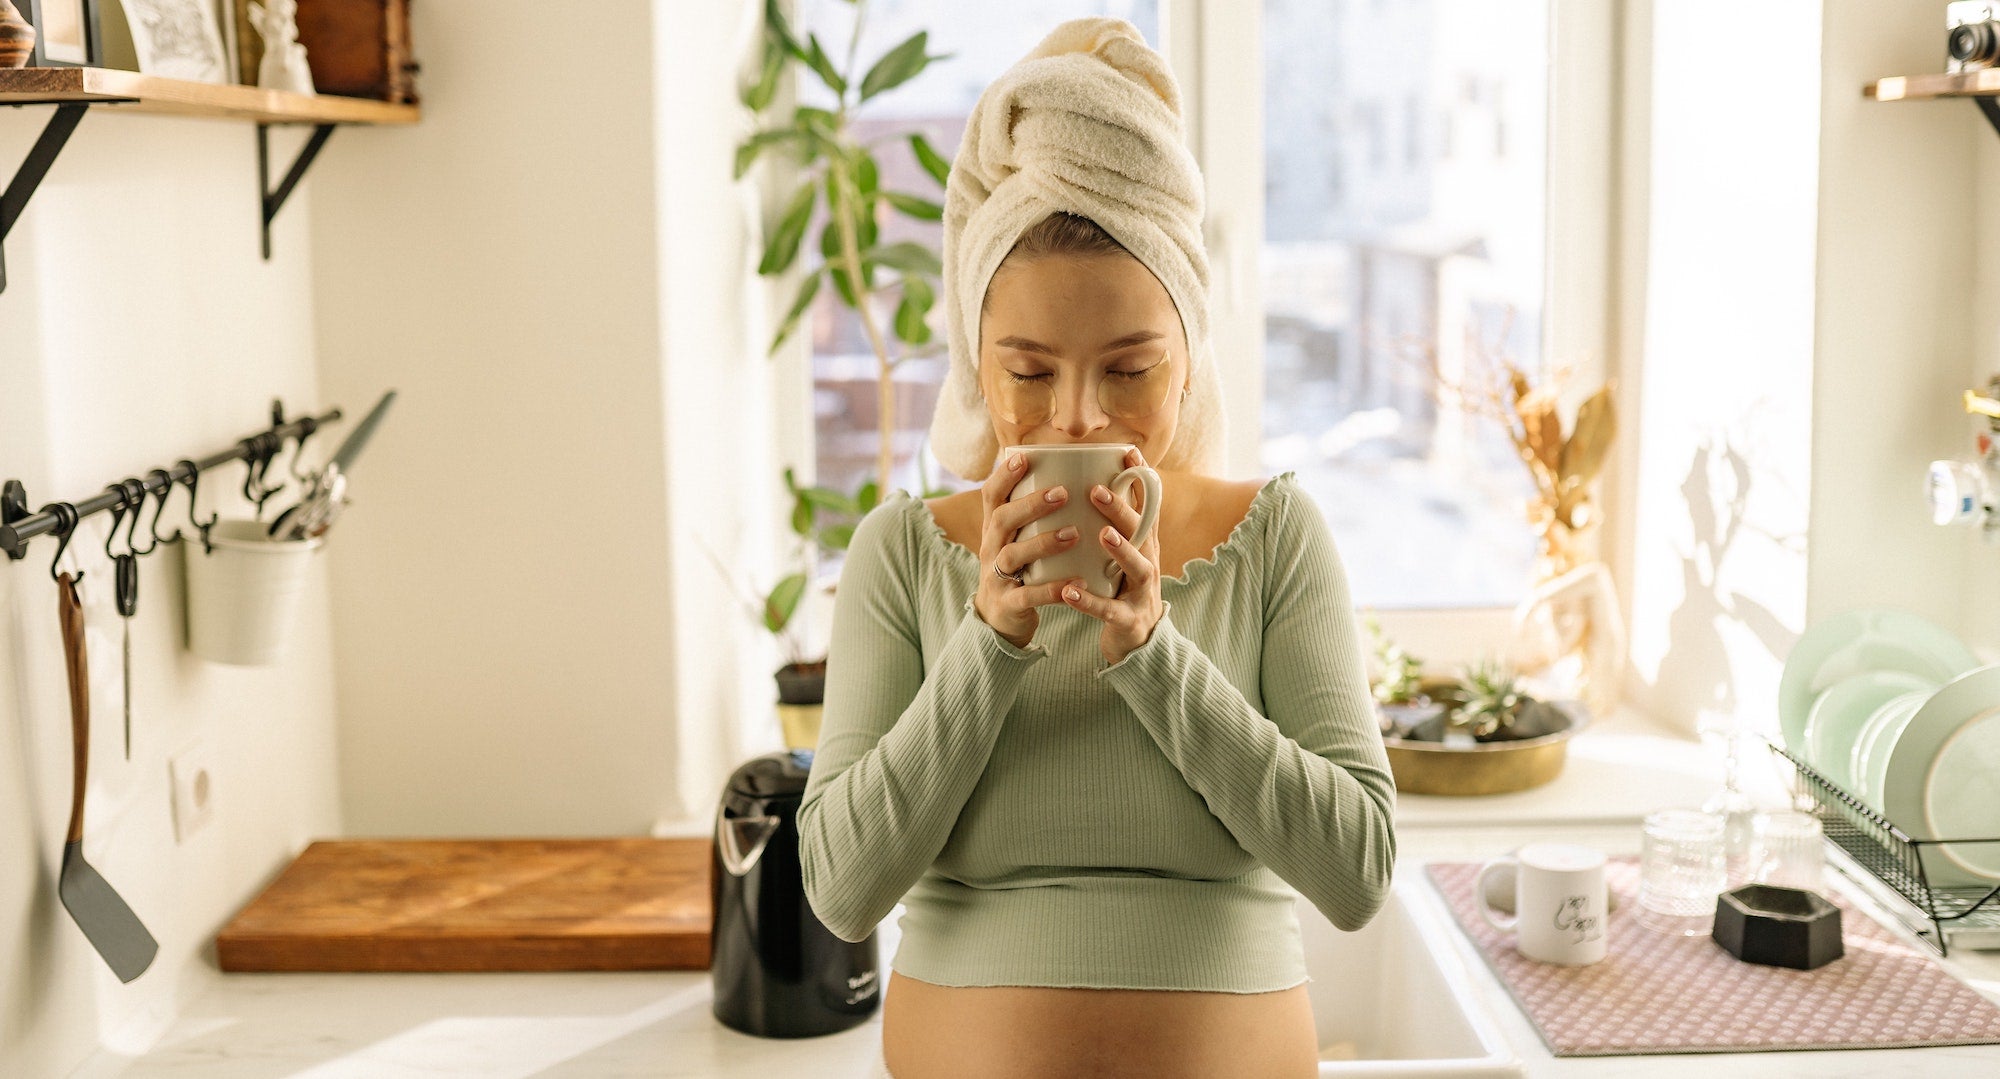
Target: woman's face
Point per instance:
(1082, 350)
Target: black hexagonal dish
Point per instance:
(1778, 927)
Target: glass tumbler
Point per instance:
(1786, 850)
(1681, 871)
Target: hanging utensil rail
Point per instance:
(18, 525)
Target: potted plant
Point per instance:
(1489, 735)
(890, 287)
(802, 677)
(1400, 701)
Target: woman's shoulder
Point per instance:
(955, 516)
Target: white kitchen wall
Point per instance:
(1795, 267)
(551, 271)
(140, 326)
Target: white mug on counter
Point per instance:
(1559, 902)
(1079, 467)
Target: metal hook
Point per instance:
(261, 449)
(306, 428)
(138, 509)
(192, 479)
(117, 515)
(66, 518)
(159, 509)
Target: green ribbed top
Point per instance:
(1050, 820)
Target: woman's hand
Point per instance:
(1007, 605)
(1128, 617)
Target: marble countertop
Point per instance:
(659, 1025)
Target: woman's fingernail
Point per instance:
(1016, 461)
(1056, 494)
(1066, 534)
(1071, 594)
(1102, 494)
(1114, 539)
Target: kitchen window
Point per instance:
(1386, 182)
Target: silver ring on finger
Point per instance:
(1005, 576)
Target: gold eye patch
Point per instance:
(1030, 400)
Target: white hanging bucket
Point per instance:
(243, 595)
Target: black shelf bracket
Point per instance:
(1988, 108)
(275, 200)
(29, 176)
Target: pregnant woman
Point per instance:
(1095, 810)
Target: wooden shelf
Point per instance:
(1979, 83)
(128, 91)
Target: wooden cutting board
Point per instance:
(479, 905)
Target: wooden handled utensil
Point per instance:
(105, 919)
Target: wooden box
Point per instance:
(356, 48)
(480, 905)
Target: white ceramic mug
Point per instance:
(1079, 467)
(1559, 903)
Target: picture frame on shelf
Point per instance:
(67, 33)
(178, 39)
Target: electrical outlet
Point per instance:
(191, 774)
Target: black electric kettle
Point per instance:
(777, 972)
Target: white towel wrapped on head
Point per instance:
(1088, 123)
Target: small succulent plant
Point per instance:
(1401, 672)
(1492, 696)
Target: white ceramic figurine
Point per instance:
(284, 66)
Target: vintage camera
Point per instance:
(1972, 35)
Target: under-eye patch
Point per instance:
(1030, 400)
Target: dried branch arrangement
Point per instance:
(1562, 464)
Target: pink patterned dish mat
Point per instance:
(1654, 993)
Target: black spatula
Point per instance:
(106, 921)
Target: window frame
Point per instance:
(1219, 66)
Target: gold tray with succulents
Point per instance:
(1527, 754)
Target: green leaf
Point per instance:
(784, 602)
(898, 66)
(779, 30)
(932, 161)
(820, 128)
(830, 500)
(844, 285)
(802, 513)
(867, 177)
(783, 248)
(755, 145)
(911, 327)
(868, 497)
(817, 59)
(802, 300)
(907, 257)
(757, 96)
(921, 209)
(837, 537)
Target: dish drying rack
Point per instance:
(1883, 858)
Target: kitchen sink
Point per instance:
(1397, 997)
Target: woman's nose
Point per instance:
(1078, 411)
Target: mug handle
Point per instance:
(1479, 895)
(1121, 485)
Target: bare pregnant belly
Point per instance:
(1022, 1032)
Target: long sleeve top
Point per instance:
(1050, 820)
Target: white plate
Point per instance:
(1943, 775)
(1857, 641)
(1834, 724)
(1871, 749)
